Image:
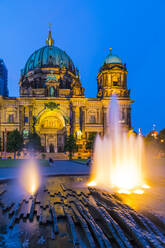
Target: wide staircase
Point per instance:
(57, 156)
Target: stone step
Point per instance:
(57, 156)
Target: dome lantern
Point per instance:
(112, 59)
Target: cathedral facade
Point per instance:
(52, 101)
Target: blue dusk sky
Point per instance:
(135, 29)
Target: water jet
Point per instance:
(118, 157)
(30, 176)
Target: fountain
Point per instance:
(30, 176)
(118, 157)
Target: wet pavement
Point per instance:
(65, 213)
(63, 167)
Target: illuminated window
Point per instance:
(11, 118)
(26, 119)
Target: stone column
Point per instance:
(55, 144)
(68, 130)
(122, 80)
(83, 109)
(98, 117)
(68, 122)
(129, 117)
(125, 115)
(30, 118)
(21, 117)
(104, 119)
(76, 119)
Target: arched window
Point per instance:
(51, 91)
(115, 83)
(92, 119)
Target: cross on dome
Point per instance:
(110, 49)
(50, 41)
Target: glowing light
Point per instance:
(145, 186)
(33, 189)
(118, 157)
(30, 177)
(124, 191)
(138, 191)
(91, 184)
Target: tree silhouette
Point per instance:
(14, 141)
(34, 142)
(90, 142)
(70, 145)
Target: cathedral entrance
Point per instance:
(51, 128)
(51, 148)
(51, 142)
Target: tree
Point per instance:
(155, 143)
(34, 142)
(150, 139)
(70, 145)
(90, 141)
(161, 135)
(161, 138)
(14, 141)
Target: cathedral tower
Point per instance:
(112, 77)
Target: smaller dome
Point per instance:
(112, 59)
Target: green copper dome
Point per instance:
(48, 56)
(112, 59)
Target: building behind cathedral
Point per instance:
(3, 79)
(52, 101)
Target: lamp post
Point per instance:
(5, 143)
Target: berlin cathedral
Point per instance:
(52, 100)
